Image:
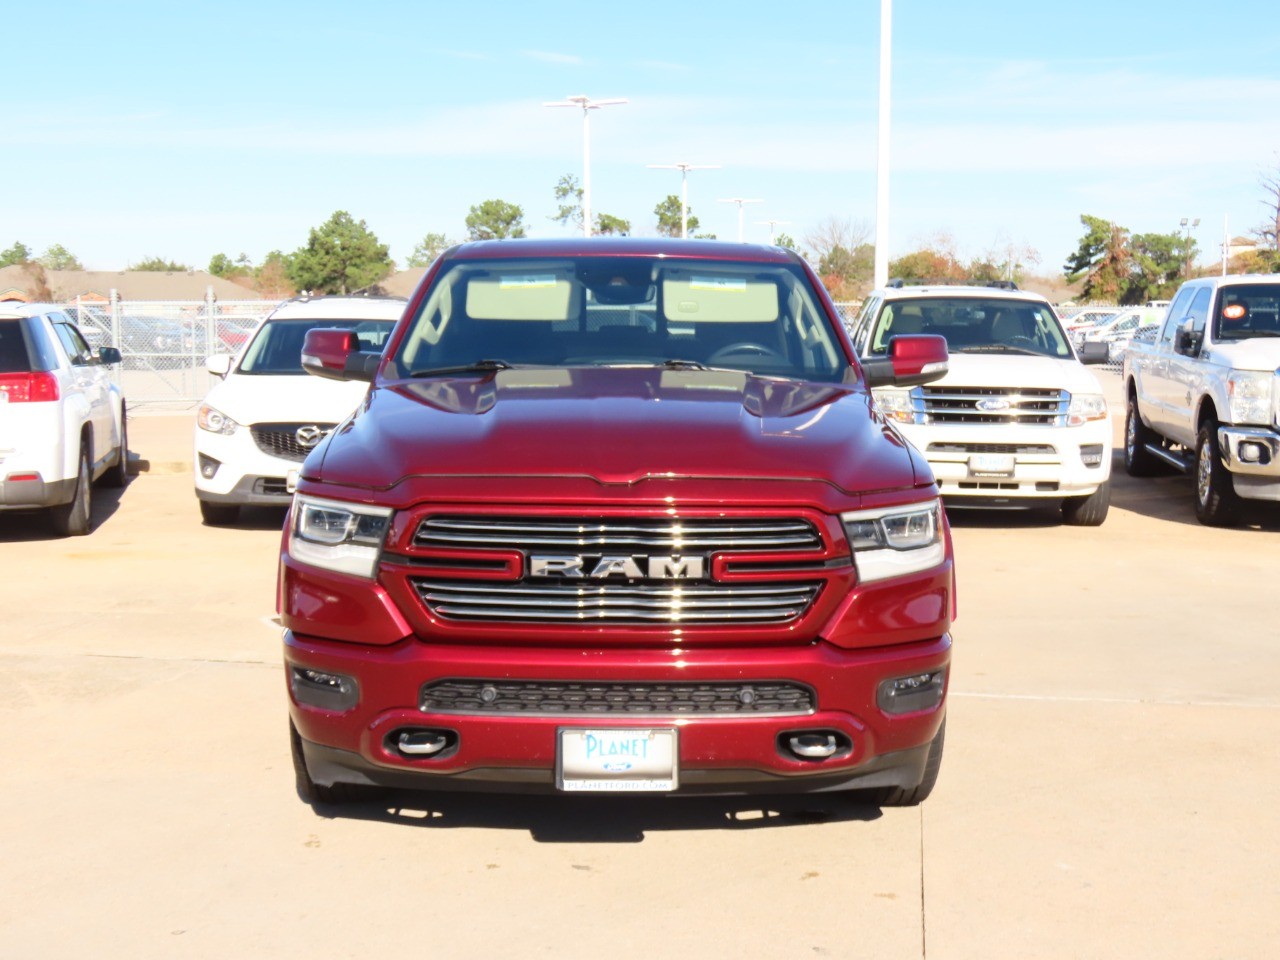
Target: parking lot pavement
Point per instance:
(1106, 789)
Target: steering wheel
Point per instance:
(746, 347)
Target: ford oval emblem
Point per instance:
(992, 404)
(617, 766)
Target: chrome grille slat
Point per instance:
(1026, 405)
(617, 533)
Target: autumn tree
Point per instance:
(342, 255)
(495, 220)
(271, 277)
(1102, 260)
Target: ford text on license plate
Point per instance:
(620, 760)
(991, 465)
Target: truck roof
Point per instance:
(619, 247)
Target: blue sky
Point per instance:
(182, 130)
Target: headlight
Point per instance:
(1249, 396)
(335, 535)
(893, 541)
(214, 420)
(1085, 407)
(894, 404)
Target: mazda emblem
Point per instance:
(309, 436)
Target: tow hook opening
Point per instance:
(421, 743)
(814, 746)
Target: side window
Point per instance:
(863, 324)
(1176, 310)
(78, 351)
(1198, 312)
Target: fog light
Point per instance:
(328, 691)
(1091, 455)
(921, 691)
(208, 466)
(1251, 452)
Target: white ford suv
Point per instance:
(258, 424)
(1017, 420)
(62, 418)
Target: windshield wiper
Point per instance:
(999, 348)
(479, 366)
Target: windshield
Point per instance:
(1246, 311)
(761, 318)
(277, 349)
(974, 325)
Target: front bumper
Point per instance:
(244, 474)
(1255, 469)
(718, 753)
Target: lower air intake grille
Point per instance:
(281, 439)
(550, 698)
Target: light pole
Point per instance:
(882, 149)
(742, 205)
(684, 169)
(587, 105)
(1187, 227)
(772, 225)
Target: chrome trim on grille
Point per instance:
(616, 534)
(572, 698)
(1017, 405)
(703, 602)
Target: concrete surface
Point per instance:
(1107, 789)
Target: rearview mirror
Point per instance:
(913, 359)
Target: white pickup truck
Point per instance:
(1204, 396)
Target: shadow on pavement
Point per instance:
(566, 819)
(18, 526)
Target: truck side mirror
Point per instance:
(913, 359)
(1187, 342)
(335, 355)
(1094, 351)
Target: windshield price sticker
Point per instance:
(527, 281)
(991, 465)
(722, 284)
(623, 760)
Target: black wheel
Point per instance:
(1088, 511)
(72, 519)
(909, 797)
(1138, 460)
(312, 792)
(1216, 502)
(118, 474)
(218, 514)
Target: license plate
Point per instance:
(991, 465)
(291, 481)
(617, 761)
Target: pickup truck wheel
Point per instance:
(72, 519)
(909, 797)
(1216, 502)
(1088, 511)
(218, 514)
(1138, 460)
(312, 792)
(118, 474)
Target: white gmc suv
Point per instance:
(1017, 421)
(62, 418)
(258, 424)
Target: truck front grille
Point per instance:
(281, 439)
(617, 534)
(1010, 405)
(623, 602)
(557, 698)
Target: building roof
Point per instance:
(65, 285)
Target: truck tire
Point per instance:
(911, 796)
(1138, 460)
(312, 792)
(72, 519)
(1216, 502)
(1088, 511)
(219, 514)
(117, 474)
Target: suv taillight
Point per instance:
(29, 387)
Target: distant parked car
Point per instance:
(257, 425)
(1120, 329)
(1089, 317)
(62, 418)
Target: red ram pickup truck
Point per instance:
(617, 515)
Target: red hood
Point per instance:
(617, 426)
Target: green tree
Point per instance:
(342, 255)
(1103, 260)
(159, 265)
(58, 257)
(495, 220)
(929, 265)
(220, 265)
(569, 197)
(668, 213)
(18, 253)
(1158, 264)
(608, 225)
(430, 247)
(785, 241)
(271, 278)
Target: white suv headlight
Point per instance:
(1086, 407)
(1249, 396)
(336, 535)
(893, 541)
(894, 404)
(215, 421)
